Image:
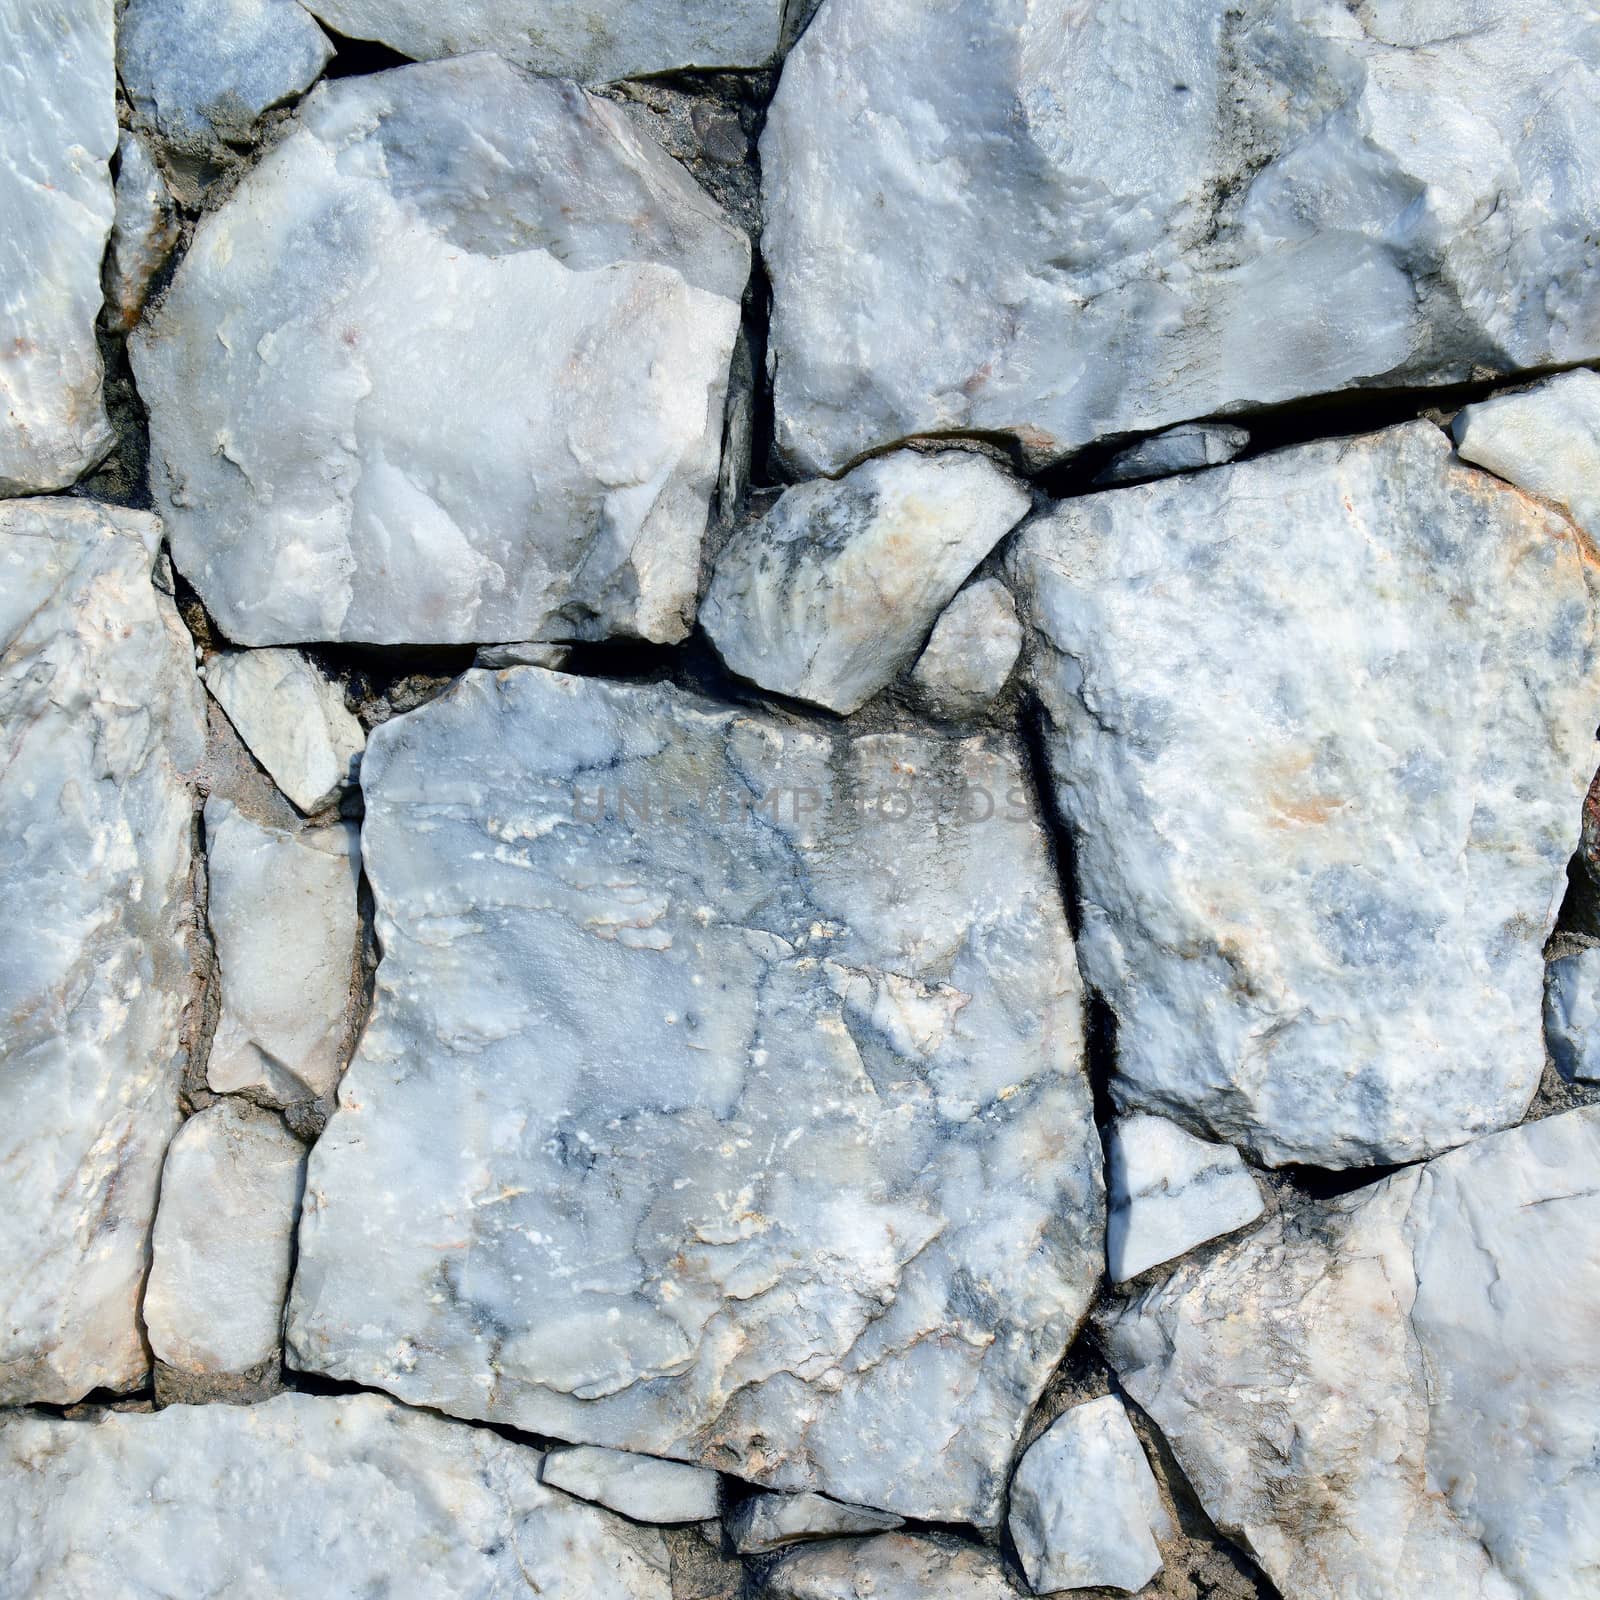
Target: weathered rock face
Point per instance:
(1108, 218)
(1572, 1015)
(751, 1131)
(58, 106)
(449, 366)
(971, 652)
(645, 1488)
(594, 41)
(307, 1496)
(144, 232)
(230, 1197)
(1398, 1392)
(831, 594)
(767, 1522)
(1322, 723)
(101, 720)
(892, 1566)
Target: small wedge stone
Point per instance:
(645, 1488)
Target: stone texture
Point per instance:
(284, 918)
(200, 71)
(892, 1566)
(1572, 1015)
(767, 1522)
(1186, 448)
(1108, 219)
(645, 1488)
(1398, 1391)
(594, 41)
(309, 1497)
(224, 1235)
(830, 595)
(448, 367)
(1085, 1508)
(143, 235)
(971, 652)
(100, 723)
(1322, 724)
(1545, 440)
(293, 719)
(751, 1131)
(58, 108)
(1167, 1192)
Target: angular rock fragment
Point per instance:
(497, 657)
(767, 1522)
(1186, 448)
(1545, 440)
(1095, 215)
(1322, 724)
(284, 918)
(224, 1235)
(1167, 1192)
(1085, 1507)
(831, 594)
(1398, 1391)
(293, 719)
(1572, 1015)
(143, 235)
(304, 1495)
(100, 724)
(448, 367)
(722, 1097)
(58, 107)
(602, 40)
(892, 1566)
(645, 1488)
(199, 72)
(971, 652)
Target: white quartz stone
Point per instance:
(1167, 1191)
(645, 1488)
(766, 1522)
(1084, 1504)
(1545, 440)
(892, 1566)
(284, 919)
(447, 367)
(102, 722)
(301, 1498)
(712, 1106)
(593, 40)
(58, 128)
(143, 235)
(971, 652)
(203, 70)
(293, 719)
(831, 594)
(1063, 221)
(1322, 724)
(1572, 1015)
(1186, 448)
(1398, 1392)
(224, 1234)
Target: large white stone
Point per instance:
(292, 718)
(971, 652)
(143, 235)
(1398, 1392)
(1572, 1014)
(448, 367)
(645, 1488)
(1064, 220)
(1545, 440)
(752, 1131)
(102, 721)
(284, 919)
(1322, 723)
(1168, 1191)
(593, 40)
(831, 594)
(58, 113)
(224, 1235)
(1084, 1504)
(767, 1522)
(892, 1566)
(302, 1498)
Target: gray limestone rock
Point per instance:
(766, 1522)
(891, 1566)
(971, 653)
(645, 1488)
(1062, 221)
(1322, 724)
(143, 235)
(447, 367)
(101, 722)
(1397, 1392)
(722, 1098)
(58, 113)
(1572, 1015)
(1186, 448)
(301, 1498)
